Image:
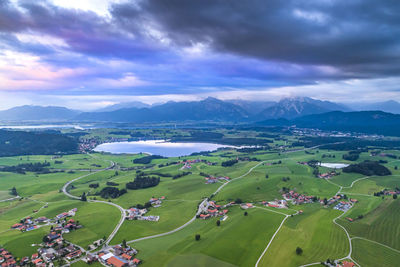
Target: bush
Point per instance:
(197, 237)
(299, 251)
(94, 185)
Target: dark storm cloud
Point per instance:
(249, 44)
(84, 32)
(361, 38)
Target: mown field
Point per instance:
(314, 232)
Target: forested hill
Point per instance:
(14, 143)
(371, 122)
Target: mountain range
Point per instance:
(209, 109)
(38, 113)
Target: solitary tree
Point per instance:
(124, 243)
(218, 223)
(83, 197)
(14, 191)
(299, 251)
(197, 237)
(394, 196)
(245, 213)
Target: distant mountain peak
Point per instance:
(292, 107)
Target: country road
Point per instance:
(122, 210)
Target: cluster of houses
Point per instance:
(139, 214)
(187, 164)
(377, 153)
(338, 263)
(387, 192)
(87, 144)
(327, 175)
(7, 259)
(279, 204)
(156, 202)
(29, 224)
(343, 206)
(26, 224)
(119, 256)
(44, 257)
(212, 179)
(297, 198)
(58, 250)
(212, 209)
(339, 199)
(54, 247)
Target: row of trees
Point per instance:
(37, 167)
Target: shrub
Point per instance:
(299, 251)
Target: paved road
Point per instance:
(10, 199)
(164, 234)
(122, 210)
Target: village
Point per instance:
(29, 224)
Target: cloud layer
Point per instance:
(199, 47)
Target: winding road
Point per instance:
(122, 210)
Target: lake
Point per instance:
(157, 147)
(334, 165)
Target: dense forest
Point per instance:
(368, 168)
(13, 143)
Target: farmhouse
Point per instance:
(280, 204)
(246, 206)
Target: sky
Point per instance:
(87, 54)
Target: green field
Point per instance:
(239, 240)
(314, 232)
(369, 254)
